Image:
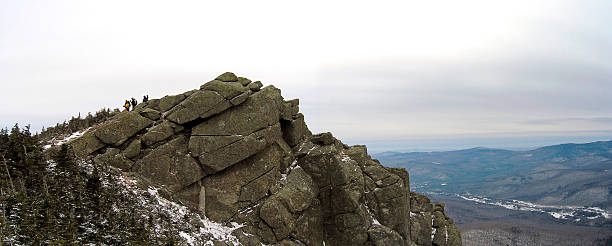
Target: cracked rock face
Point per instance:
(238, 152)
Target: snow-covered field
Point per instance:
(575, 213)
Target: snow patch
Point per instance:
(433, 233)
(345, 157)
(375, 221)
(563, 215)
(204, 230)
(446, 233)
(190, 240)
(558, 212)
(62, 140)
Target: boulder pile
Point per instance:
(237, 152)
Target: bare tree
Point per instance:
(9, 175)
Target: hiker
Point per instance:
(145, 98)
(134, 103)
(126, 105)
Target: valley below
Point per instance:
(483, 221)
(554, 195)
(580, 215)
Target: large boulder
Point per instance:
(121, 128)
(290, 109)
(438, 219)
(420, 228)
(255, 86)
(227, 77)
(228, 155)
(200, 145)
(281, 209)
(133, 149)
(193, 196)
(159, 133)
(244, 81)
(261, 110)
(199, 104)
(242, 184)
(278, 217)
(325, 138)
(227, 90)
(238, 133)
(383, 236)
(299, 191)
(393, 208)
(115, 158)
(170, 165)
(309, 227)
(86, 144)
(295, 130)
(340, 181)
(151, 114)
(168, 102)
(419, 203)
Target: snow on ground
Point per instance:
(604, 213)
(561, 215)
(61, 140)
(345, 158)
(508, 206)
(196, 230)
(558, 212)
(190, 240)
(474, 199)
(433, 233)
(374, 220)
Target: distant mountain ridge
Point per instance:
(564, 174)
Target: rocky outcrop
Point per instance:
(238, 152)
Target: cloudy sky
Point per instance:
(395, 75)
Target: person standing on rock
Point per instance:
(145, 98)
(126, 105)
(134, 103)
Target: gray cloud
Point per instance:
(596, 120)
(503, 93)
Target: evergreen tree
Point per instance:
(57, 202)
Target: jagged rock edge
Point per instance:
(296, 155)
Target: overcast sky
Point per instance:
(405, 75)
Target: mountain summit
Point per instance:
(239, 153)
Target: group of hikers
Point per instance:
(133, 103)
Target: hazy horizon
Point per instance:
(514, 144)
(393, 76)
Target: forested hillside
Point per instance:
(566, 174)
(54, 198)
